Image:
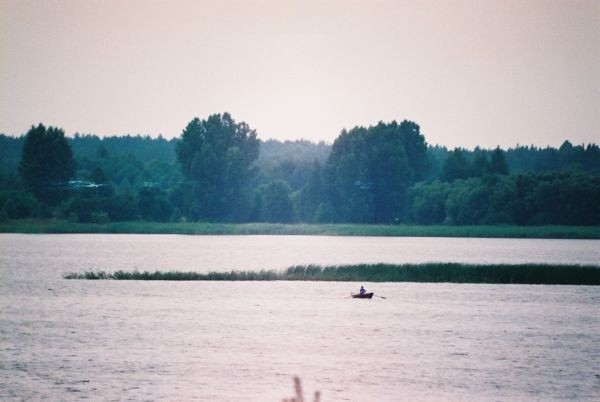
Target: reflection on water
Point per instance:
(63, 340)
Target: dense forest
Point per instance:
(219, 171)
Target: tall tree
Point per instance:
(369, 170)
(481, 165)
(275, 202)
(498, 163)
(311, 195)
(415, 148)
(456, 166)
(216, 157)
(46, 163)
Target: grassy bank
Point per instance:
(430, 272)
(198, 228)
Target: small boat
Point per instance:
(363, 296)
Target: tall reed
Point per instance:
(428, 272)
(299, 397)
(205, 228)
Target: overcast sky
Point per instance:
(468, 72)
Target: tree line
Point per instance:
(219, 171)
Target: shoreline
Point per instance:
(202, 228)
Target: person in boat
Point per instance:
(362, 291)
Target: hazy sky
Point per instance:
(469, 72)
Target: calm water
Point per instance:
(109, 340)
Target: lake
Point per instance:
(225, 341)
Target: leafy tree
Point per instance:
(437, 156)
(567, 198)
(567, 157)
(46, 163)
(295, 173)
(498, 163)
(10, 152)
(428, 202)
(85, 208)
(273, 152)
(275, 203)
(143, 148)
(216, 157)
(122, 207)
(347, 179)
(325, 213)
(101, 152)
(456, 166)
(481, 165)
(153, 204)
(17, 204)
(372, 174)
(98, 176)
(415, 148)
(369, 170)
(311, 195)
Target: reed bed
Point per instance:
(205, 228)
(299, 397)
(428, 272)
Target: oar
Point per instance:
(380, 296)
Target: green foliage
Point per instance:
(369, 170)
(10, 152)
(216, 155)
(429, 272)
(18, 205)
(462, 164)
(100, 217)
(91, 275)
(142, 148)
(46, 163)
(311, 197)
(380, 174)
(206, 228)
(153, 204)
(98, 176)
(325, 213)
(91, 206)
(275, 203)
(429, 202)
(451, 272)
(456, 167)
(498, 163)
(290, 161)
(481, 164)
(563, 198)
(176, 276)
(578, 158)
(273, 152)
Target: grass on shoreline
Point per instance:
(429, 272)
(202, 228)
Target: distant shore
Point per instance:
(200, 228)
(531, 274)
